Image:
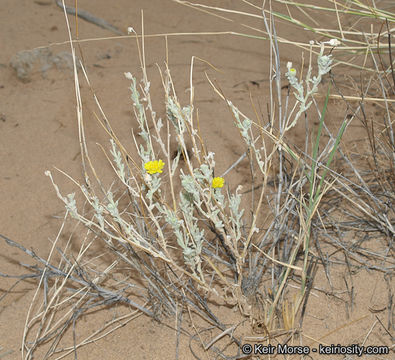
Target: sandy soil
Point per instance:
(38, 131)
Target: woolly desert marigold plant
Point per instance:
(218, 182)
(154, 167)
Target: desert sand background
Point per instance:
(38, 131)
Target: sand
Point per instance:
(38, 131)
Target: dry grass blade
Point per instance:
(166, 236)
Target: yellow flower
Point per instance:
(154, 167)
(218, 182)
(292, 70)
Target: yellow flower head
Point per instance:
(154, 167)
(218, 182)
(292, 70)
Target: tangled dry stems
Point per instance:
(174, 242)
